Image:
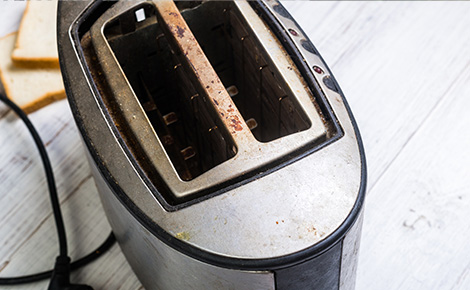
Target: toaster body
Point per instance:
(224, 152)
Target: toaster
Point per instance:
(224, 152)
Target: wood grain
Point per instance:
(405, 70)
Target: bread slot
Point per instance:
(232, 45)
(176, 103)
(202, 105)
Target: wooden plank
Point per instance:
(404, 68)
(416, 228)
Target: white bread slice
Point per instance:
(29, 88)
(36, 45)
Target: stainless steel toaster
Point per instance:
(224, 152)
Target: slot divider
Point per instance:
(181, 37)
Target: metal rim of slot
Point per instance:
(218, 182)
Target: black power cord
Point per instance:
(60, 276)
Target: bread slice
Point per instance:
(36, 45)
(30, 89)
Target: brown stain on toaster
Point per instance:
(197, 61)
(180, 31)
(236, 123)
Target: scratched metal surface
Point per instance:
(405, 70)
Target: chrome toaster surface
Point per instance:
(224, 152)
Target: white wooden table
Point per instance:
(405, 70)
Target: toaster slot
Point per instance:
(203, 95)
(244, 65)
(187, 125)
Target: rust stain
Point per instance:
(311, 229)
(212, 86)
(236, 124)
(180, 31)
